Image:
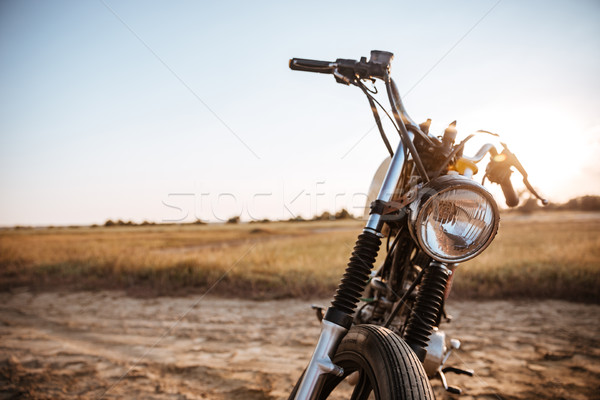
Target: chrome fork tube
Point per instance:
(388, 189)
(320, 363)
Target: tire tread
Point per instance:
(398, 356)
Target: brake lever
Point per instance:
(514, 161)
(341, 78)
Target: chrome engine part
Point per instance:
(436, 352)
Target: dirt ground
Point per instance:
(105, 345)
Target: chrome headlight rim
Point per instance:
(429, 192)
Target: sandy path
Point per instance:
(67, 346)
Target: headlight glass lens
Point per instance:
(456, 224)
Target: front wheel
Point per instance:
(377, 364)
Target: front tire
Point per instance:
(387, 368)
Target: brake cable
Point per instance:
(413, 129)
(372, 101)
(374, 90)
(399, 125)
(366, 90)
(380, 127)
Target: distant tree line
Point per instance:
(582, 203)
(119, 222)
(325, 216)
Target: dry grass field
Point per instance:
(547, 255)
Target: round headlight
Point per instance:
(453, 218)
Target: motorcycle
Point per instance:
(381, 335)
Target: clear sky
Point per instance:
(163, 111)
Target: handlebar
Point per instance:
(302, 64)
(345, 70)
(499, 171)
(486, 148)
(512, 200)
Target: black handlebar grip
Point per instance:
(512, 200)
(301, 64)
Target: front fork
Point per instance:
(320, 363)
(339, 316)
